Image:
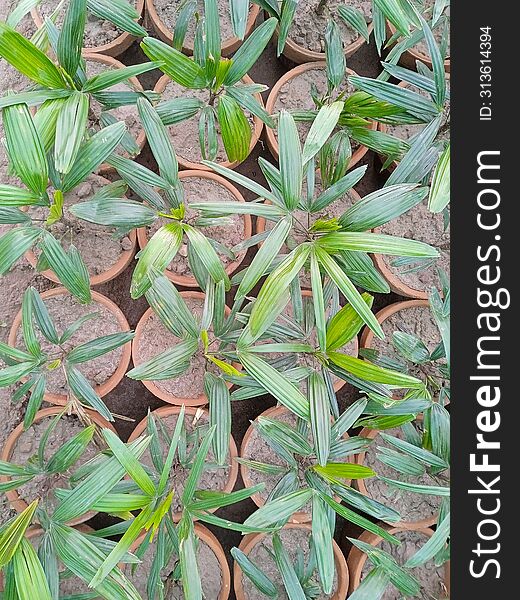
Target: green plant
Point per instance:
(228, 100)
(47, 350)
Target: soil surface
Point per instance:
(167, 13)
(185, 135)
(98, 32)
(310, 22)
(210, 573)
(411, 507)
(294, 541)
(64, 310)
(43, 486)
(421, 225)
(213, 476)
(156, 339)
(430, 577)
(197, 189)
(98, 247)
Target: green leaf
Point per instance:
(166, 365)
(175, 64)
(342, 470)
(235, 129)
(82, 390)
(432, 490)
(335, 55)
(239, 10)
(70, 42)
(219, 399)
(338, 189)
(290, 578)
(98, 347)
(258, 578)
(70, 129)
(110, 77)
(369, 372)
(356, 19)
(373, 585)
(434, 545)
(323, 543)
(322, 126)
(345, 325)
(28, 572)
(320, 417)
(376, 243)
(13, 533)
(70, 452)
(197, 467)
(119, 12)
(440, 186)
(291, 160)
(35, 401)
(12, 374)
(207, 255)
(26, 58)
(279, 510)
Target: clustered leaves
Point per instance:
(276, 338)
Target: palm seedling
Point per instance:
(47, 351)
(164, 198)
(227, 100)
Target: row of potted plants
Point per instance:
(293, 339)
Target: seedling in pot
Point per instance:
(163, 197)
(228, 100)
(335, 247)
(32, 367)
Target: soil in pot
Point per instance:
(64, 310)
(156, 338)
(415, 320)
(429, 576)
(209, 570)
(98, 32)
(294, 540)
(42, 486)
(167, 11)
(185, 135)
(198, 189)
(295, 95)
(213, 477)
(421, 225)
(311, 19)
(95, 243)
(412, 507)
(129, 114)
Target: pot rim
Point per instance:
(15, 500)
(200, 400)
(357, 559)
(272, 140)
(256, 132)
(229, 45)
(114, 48)
(250, 540)
(125, 258)
(117, 375)
(191, 282)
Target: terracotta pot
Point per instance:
(116, 269)
(356, 559)
(110, 62)
(409, 57)
(115, 378)
(113, 48)
(272, 140)
(165, 411)
(18, 503)
(191, 282)
(271, 413)
(301, 55)
(160, 86)
(253, 539)
(229, 45)
(150, 385)
(204, 534)
(360, 485)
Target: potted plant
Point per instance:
(175, 21)
(173, 236)
(61, 360)
(111, 27)
(207, 98)
(285, 562)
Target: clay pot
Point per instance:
(150, 385)
(205, 535)
(301, 55)
(160, 86)
(229, 46)
(409, 57)
(18, 503)
(191, 282)
(110, 62)
(360, 485)
(271, 413)
(117, 376)
(272, 140)
(112, 272)
(253, 539)
(165, 411)
(356, 559)
(113, 48)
